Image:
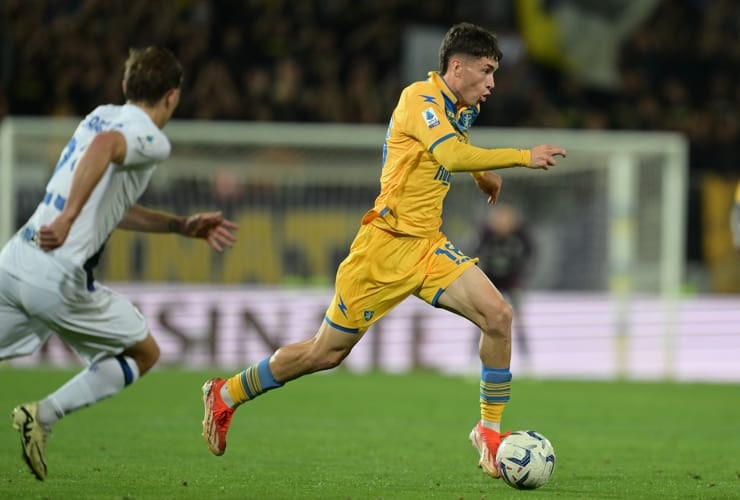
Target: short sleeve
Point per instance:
(145, 145)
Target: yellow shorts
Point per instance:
(382, 269)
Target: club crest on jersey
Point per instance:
(466, 119)
(368, 315)
(145, 141)
(430, 117)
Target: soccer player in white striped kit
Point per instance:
(46, 281)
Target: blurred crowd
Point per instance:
(339, 61)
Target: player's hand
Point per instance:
(53, 235)
(543, 156)
(212, 227)
(490, 184)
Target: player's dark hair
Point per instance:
(150, 73)
(470, 40)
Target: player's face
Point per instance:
(476, 79)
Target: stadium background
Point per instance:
(650, 66)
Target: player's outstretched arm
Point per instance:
(458, 156)
(210, 226)
(543, 156)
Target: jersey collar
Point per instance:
(447, 92)
(461, 117)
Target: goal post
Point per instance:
(632, 194)
(609, 219)
(637, 181)
(621, 153)
(7, 184)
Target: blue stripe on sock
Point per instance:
(499, 390)
(128, 374)
(265, 374)
(246, 385)
(495, 375)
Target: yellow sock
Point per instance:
(236, 390)
(495, 390)
(491, 412)
(252, 382)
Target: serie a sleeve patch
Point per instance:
(430, 117)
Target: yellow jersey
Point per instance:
(426, 142)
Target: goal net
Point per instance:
(608, 223)
(609, 217)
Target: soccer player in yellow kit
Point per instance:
(399, 250)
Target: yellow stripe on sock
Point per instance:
(236, 390)
(491, 412)
(490, 387)
(253, 380)
(495, 393)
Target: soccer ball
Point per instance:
(525, 460)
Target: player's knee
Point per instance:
(154, 355)
(147, 357)
(498, 319)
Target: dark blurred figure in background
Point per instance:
(505, 250)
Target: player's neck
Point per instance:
(449, 80)
(156, 113)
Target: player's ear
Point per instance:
(172, 98)
(456, 64)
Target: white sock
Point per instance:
(98, 381)
(496, 426)
(226, 396)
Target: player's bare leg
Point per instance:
(474, 297)
(145, 353)
(325, 350)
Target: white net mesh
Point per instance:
(299, 192)
(608, 224)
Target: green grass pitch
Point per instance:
(375, 436)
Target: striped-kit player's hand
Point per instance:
(212, 227)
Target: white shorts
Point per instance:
(41, 296)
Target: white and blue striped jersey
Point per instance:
(117, 190)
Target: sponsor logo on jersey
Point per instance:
(342, 306)
(443, 175)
